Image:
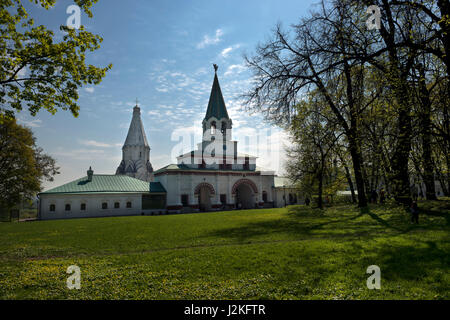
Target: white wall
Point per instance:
(93, 205)
(178, 184)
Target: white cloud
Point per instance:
(208, 40)
(154, 113)
(234, 68)
(80, 154)
(225, 52)
(93, 143)
(89, 89)
(31, 123)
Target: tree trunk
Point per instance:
(320, 191)
(425, 121)
(350, 183)
(357, 170)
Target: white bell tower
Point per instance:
(136, 151)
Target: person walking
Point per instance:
(414, 212)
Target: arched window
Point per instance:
(83, 207)
(116, 205)
(67, 207)
(104, 205)
(213, 127)
(52, 207)
(224, 127)
(129, 204)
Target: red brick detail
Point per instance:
(204, 184)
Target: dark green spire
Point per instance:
(216, 105)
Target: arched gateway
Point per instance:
(204, 191)
(245, 191)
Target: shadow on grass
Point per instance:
(374, 216)
(344, 222)
(415, 263)
(434, 213)
(303, 223)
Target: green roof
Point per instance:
(156, 187)
(102, 183)
(216, 105)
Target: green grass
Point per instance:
(288, 253)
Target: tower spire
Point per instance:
(216, 105)
(136, 150)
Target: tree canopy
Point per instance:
(37, 71)
(386, 91)
(23, 165)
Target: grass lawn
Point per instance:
(288, 253)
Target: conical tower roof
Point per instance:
(216, 105)
(136, 134)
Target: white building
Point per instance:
(98, 195)
(212, 177)
(136, 151)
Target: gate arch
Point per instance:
(242, 181)
(206, 185)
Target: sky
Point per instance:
(162, 53)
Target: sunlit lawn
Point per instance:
(288, 253)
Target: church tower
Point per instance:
(136, 151)
(217, 124)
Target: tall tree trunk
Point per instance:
(320, 191)
(348, 175)
(357, 170)
(425, 121)
(397, 72)
(366, 181)
(400, 174)
(350, 183)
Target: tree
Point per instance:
(324, 56)
(23, 165)
(38, 72)
(310, 160)
(388, 89)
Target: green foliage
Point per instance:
(287, 253)
(38, 72)
(23, 165)
(386, 90)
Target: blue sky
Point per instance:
(162, 53)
